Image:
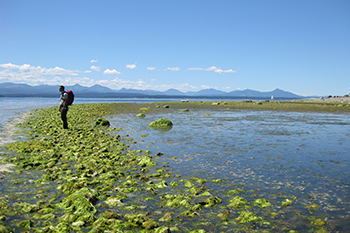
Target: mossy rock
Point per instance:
(263, 203)
(164, 229)
(166, 106)
(223, 217)
(141, 115)
(313, 206)
(318, 222)
(111, 215)
(26, 224)
(102, 122)
(167, 217)
(161, 123)
(246, 216)
(4, 229)
(237, 202)
(286, 203)
(150, 224)
(212, 201)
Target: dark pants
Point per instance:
(64, 118)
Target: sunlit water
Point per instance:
(306, 155)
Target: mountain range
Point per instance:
(98, 91)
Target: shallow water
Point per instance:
(305, 155)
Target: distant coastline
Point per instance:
(98, 91)
(130, 96)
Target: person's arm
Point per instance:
(65, 96)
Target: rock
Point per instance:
(161, 123)
(5, 229)
(27, 224)
(167, 217)
(159, 154)
(102, 122)
(141, 115)
(150, 224)
(144, 109)
(318, 222)
(164, 229)
(111, 215)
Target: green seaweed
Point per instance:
(26, 224)
(247, 216)
(161, 123)
(237, 202)
(263, 203)
(318, 222)
(102, 122)
(286, 203)
(141, 115)
(167, 217)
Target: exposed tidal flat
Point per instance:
(223, 166)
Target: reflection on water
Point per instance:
(301, 154)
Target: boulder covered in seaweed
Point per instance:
(161, 123)
(102, 122)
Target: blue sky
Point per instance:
(298, 46)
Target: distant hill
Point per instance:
(277, 93)
(210, 92)
(98, 91)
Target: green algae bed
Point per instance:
(89, 179)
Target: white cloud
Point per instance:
(95, 68)
(205, 87)
(38, 70)
(212, 68)
(215, 69)
(108, 71)
(151, 68)
(173, 69)
(195, 69)
(224, 71)
(35, 75)
(132, 66)
(92, 61)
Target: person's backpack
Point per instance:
(70, 97)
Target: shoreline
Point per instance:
(339, 99)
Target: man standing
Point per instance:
(63, 106)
